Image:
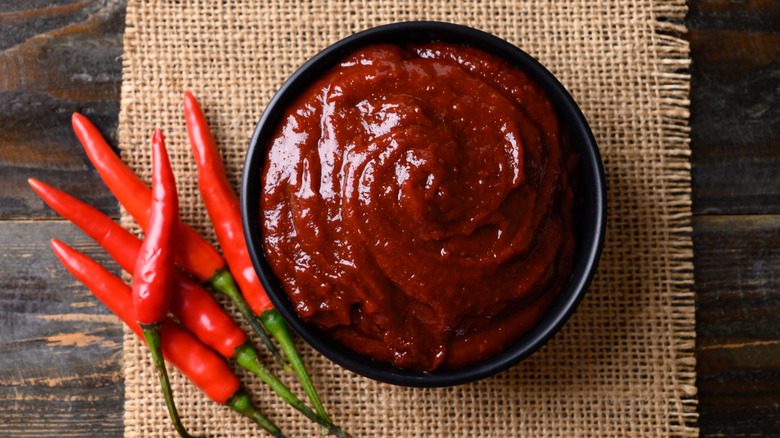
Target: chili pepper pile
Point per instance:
(201, 329)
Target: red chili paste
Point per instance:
(417, 204)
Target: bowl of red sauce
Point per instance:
(424, 203)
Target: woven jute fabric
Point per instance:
(622, 366)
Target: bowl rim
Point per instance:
(591, 175)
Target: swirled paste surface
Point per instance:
(417, 204)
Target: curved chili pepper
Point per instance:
(153, 277)
(223, 206)
(194, 254)
(224, 209)
(196, 361)
(194, 306)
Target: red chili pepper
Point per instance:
(199, 312)
(153, 275)
(196, 361)
(193, 305)
(194, 254)
(224, 209)
(223, 206)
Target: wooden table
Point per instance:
(61, 353)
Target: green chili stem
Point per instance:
(240, 403)
(223, 282)
(278, 329)
(152, 336)
(247, 357)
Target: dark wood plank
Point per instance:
(747, 15)
(56, 58)
(735, 132)
(737, 271)
(60, 349)
(735, 106)
(738, 262)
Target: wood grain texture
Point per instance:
(735, 141)
(737, 271)
(56, 58)
(60, 349)
(735, 106)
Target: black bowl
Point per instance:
(591, 201)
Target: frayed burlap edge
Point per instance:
(674, 79)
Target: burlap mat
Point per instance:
(622, 366)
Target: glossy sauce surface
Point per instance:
(417, 204)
